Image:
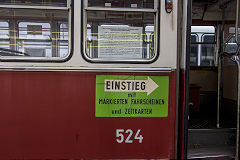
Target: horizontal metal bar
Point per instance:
(120, 9)
(86, 69)
(33, 59)
(211, 130)
(33, 7)
(36, 39)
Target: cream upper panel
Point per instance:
(167, 43)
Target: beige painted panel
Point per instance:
(167, 44)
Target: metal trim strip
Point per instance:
(120, 9)
(87, 69)
(34, 7)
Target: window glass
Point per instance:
(34, 39)
(231, 46)
(207, 57)
(120, 35)
(59, 3)
(203, 45)
(36, 33)
(63, 41)
(194, 50)
(122, 3)
(4, 38)
(131, 36)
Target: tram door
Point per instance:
(213, 118)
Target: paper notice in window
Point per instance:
(122, 42)
(34, 29)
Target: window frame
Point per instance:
(155, 10)
(70, 9)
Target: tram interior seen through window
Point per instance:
(203, 46)
(33, 32)
(120, 30)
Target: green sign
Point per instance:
(131, 96)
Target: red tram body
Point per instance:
(62, 124)
(119, 79)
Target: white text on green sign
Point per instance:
(147, 86)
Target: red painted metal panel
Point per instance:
(52, 115)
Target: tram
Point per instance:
(119, 79)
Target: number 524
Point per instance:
(120, 133)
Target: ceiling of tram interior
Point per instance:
(211, 10)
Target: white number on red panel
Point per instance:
(126, 136)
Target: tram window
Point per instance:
(194, 50)
(35, 34)
(119, 35)
(202, 46)
(207, 57)
(231, 46)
